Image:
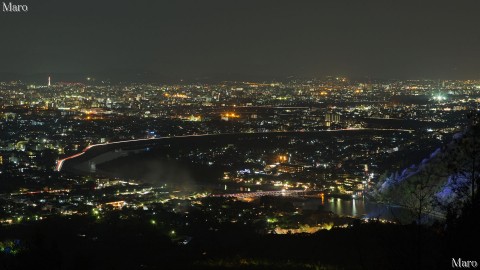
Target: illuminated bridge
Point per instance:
(286, 193)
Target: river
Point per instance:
(361, 208)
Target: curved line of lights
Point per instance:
(60, 162)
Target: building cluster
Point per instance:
(389, 123)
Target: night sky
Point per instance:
(259, 38)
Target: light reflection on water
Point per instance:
(357, 208)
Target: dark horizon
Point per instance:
(248, 39)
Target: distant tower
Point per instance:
(49, 81)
